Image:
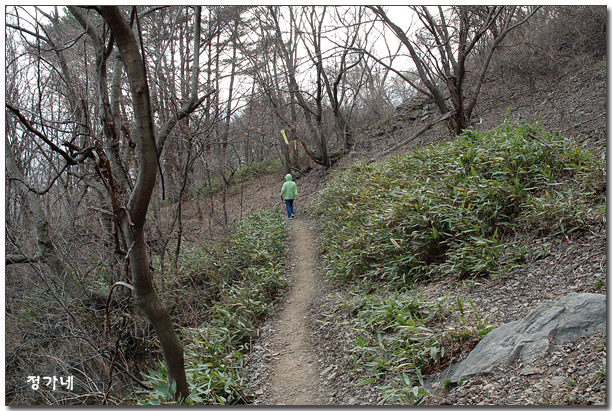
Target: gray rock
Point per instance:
(573, 316)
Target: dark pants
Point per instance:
(289, 204)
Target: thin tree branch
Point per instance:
(22, 259)
(71, 161)
(399, 73)
(37, 192)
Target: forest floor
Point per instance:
(301, 355)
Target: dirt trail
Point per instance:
(294, 379)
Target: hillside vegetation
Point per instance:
(499, 201)
(466, 209)
(459, 208)
(233, 285)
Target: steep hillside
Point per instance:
(569, 100)
(565, 95)
(435, 248)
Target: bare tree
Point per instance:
(132, 216)
(46, 249)
(268, 102)
(441, 51)
(313, 118)
(334, 77)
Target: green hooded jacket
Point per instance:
(289, 189)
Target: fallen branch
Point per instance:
(584, 122)
(422, 130)
(551, 148)
(22, 259)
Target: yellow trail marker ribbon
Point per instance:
(285, 137)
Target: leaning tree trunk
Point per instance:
(133, 216)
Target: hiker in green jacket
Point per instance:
(289, 192)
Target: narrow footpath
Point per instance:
(294, 379)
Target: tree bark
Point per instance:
(133, 216)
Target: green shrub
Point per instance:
(453, 210)
(447, 209)
(399, 336)
(247, 273)
(258, 169)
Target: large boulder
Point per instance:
(573, 316)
